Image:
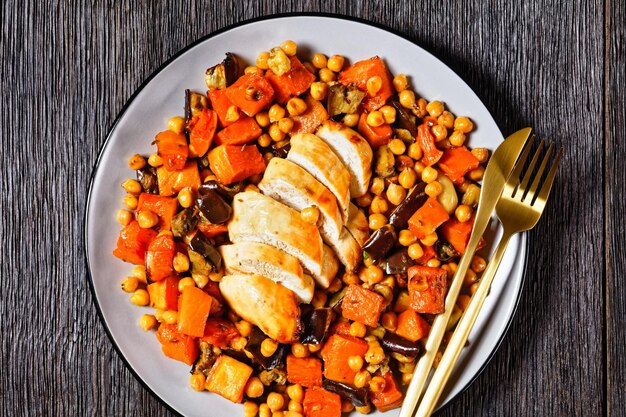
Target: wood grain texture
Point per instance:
(67, 69)
(615, 206)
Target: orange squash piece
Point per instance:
(219, 332)
(164, 207)
(458, 234)
(304, 371)
(375, 136)
(427, 218)
(211, 230)
(390, 397)
(360, 72)
(133, 243)
(429, 253)
(251, 93)
(176, 345)
(159, 257)
(244, 130)
(193, 312)
(308, 121)
(282, 92)
(456, 162)
(426, 141)
(220, 104)
(335, 354)
(427, 289)
(412, 326)
(171, 182)
(232, 163)
(228, 377)
(362, 305)
(321, 403)
(172, 148)
(164, 293)
(202, 128)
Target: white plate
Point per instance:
(161, 96)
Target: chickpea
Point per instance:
(155, 160)
(375, 355)
(390, 321)
(276, 112)
(327, 75)
(457, 138)
(250, 409)
(335, 63)
(389, 114)
(351, 120)
(463, 301)
(140, 297)
(415, 251)
(362, 379)
(264, 410)
(299, 350)
(289, 47)
(433, 189)
(268, 347)
(294, 406)
(376, 221)
(124, 217)
(433, 263)
(309, 67)
(295, 393)
(470, 278)
(319, 299)
(130, 284)
(482, 154)
(379, 205)
(375, 119)
(355, 363)
(350, 278)
(147, 219)
(402, 302)
(185, 197)
(197, 381)
(440, 132)
(463, 213)
(185, 282)
(415, 151)
(400, 82)
(261, 60)
(407, 178)
(132, 186)
(406, 378)
(476, 174)
(319, 90)
(377, 187)
(170, 317)
(285, 124)
(147, 322)
(275, 133)
(407, 99)
(263, 118)
(463, 124)
(275, 401)
(446, 119)
(374, 84)
(406, 237)
(421, 108)
(474, 288)
(335, 286)
(435, 108)
(396, 194)
(373, 274)
(254, 387)
(429, 240)
(377, 384)
(396, 146)
(176, 124)
(264, 140)
(319, 61)
(310, 214)
(251, 69)
(478, 264)
(429, 174)
(296, 106)
(180, 262)
(136, 162)
(139, 272)
(357, 329)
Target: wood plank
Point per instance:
(615, 206)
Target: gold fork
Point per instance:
(518, 211)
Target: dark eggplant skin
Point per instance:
(148, 179)
(398, 262)
(316, 325)
(254, 347)
(399, 344)
(223, 74)
(400, 216)
(404, 119)
(201, 245)
(194, 103)
(281, 151)
(205, 360)
(357, 396)
(380, 243)
(336, 300)
(445, 251)
(227, 193)
(212, 206)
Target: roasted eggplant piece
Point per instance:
(202, 246)
(194, 104)
(344, 100)
(275, 375)
(398, 262)
(380, 243)
(254, 347)
(357, 396)
(205, 360)
(223, 74)
(184, 222)
(336, 299)
(385, 162)
(316, 325)
(400, 216)
(281, 149)
(399, 344)
(148, 179)
(226, 192)
(199, 265)
(212, 206)
(445, 251)
(404, 119)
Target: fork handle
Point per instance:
(460, 335)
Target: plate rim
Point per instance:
(524, 243)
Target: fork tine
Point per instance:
(529, 171)
(514, 178)
(531, 191)
(544, 193)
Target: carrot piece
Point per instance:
(360, 72)
(251, 93)
(427, 289)
(362, 305)
(164, 293)
(321, 403)
(164, 207)
(201, 131)
(219, 332)
(133, 243)
(390, 397)
(335, 354)
(456, 162)
(458, 234)
(231, 163)
(308, 121)
(211, 230)
(376, 136)
(171, 182)
(228, 377)
(412, 326)
(304, 371)
(243, 131)
(342, 328)
(426, 141)
(159, 257)
(220, 104)
(429, 253)
(172, 148)
(282, 92)
(193, 311)
(427, 218)
(176, 345)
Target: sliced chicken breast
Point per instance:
(315, 156)
(347, 249)
(353, 150)
(272, 263)
(329, 268)
(293, 186)
(357, 225)
(259, 218)
(261, 301)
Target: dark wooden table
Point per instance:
(67, 69)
